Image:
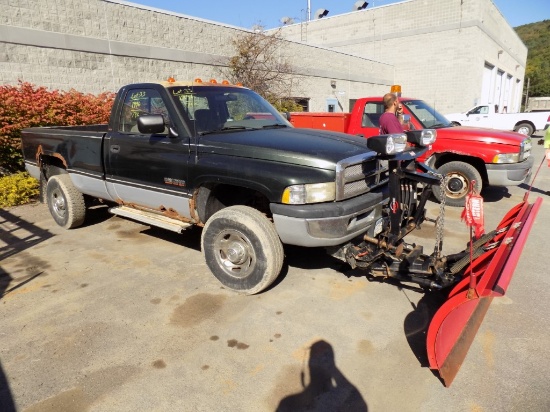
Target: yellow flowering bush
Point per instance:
(17, 189)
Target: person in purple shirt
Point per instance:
(389, 121)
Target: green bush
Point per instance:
(17, 189)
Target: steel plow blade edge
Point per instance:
(455, 324)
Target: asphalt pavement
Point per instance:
(118, 316)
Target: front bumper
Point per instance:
(328, 224)
(512, 174)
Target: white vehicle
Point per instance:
(538, 104)
(487, 116)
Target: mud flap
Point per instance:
(457, 321)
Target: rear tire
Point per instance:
(459, 176)
(242, 249)
(65, 202)
(524, 128)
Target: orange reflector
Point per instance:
(225, 82)
(213, 81)
(239, 84)
(198, 80)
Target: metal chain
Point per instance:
(440, 223)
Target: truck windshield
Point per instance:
(426, 115)
(213, 109)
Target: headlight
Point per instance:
(387, 144)
(424, 137)
(309, 193)
(506, 158)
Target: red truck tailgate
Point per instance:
(337, 122)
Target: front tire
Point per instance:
(458, 176)
(65, 202)
(242, 249)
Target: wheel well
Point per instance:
(211, 198)
(51, 166)
(530, 123)
(443, 158)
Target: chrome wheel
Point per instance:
(234, 253)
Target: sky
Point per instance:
(247, 13)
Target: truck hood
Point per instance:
(479, 134)
(306, 147)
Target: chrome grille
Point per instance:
(525, 150)
(358, 175)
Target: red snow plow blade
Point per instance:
(455, 324)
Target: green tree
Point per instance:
(536, 37)
(260, 63)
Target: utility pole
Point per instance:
(527, 93)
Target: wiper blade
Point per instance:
(224, 129)
(274, 126)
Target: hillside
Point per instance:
(536, 37)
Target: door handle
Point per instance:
(115, 148)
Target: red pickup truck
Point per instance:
(462, 154)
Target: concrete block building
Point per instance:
(100, 45)
(452, 53)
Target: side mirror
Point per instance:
(151, 124)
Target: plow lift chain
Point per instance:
(440, 221)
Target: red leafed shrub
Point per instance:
(27, 105)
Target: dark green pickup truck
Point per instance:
(178, 154)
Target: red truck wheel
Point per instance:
(65, 202)
(242, 249)
(458, 177)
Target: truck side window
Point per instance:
(479, 110)
(371, 114)
(139, 102)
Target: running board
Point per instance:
(150, 218)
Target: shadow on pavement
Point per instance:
(417, 322)
(328, 389)
(6, 399)
(17, 235)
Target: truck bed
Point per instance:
(79, 148)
